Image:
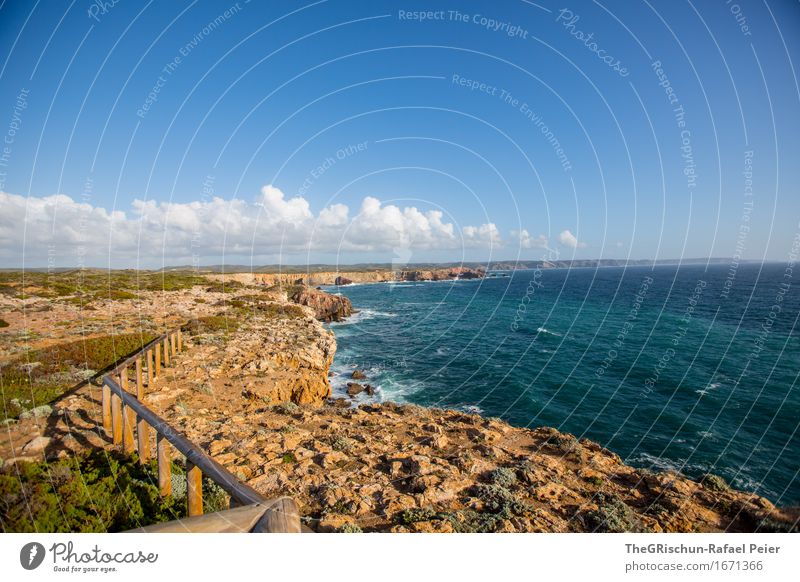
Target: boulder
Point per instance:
(36, 446)
(342, 281)
(358, 375)
(353, 389)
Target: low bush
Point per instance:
(44, 374)
(97, 492)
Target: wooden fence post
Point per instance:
(107, 426)
(194, 489)
(180, 340)
(173, 344)
(116, 419)
(157, 352)
(164, 466)
(143, 437)
(139, 380)
(123, 379)
(149, 361)
(166, 351)
(128, 420)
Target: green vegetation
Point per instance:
(503, 476)
(212, 324)
(714, 482)
(342, 443)
(349, 528)
(612, 515)
(409, 516)
(286, 408)
(44, 374)
(95, 492)
(289, 458)
(84, 286)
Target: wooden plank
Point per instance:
(281, 517)
(164, 465)
(107, 409)
(173, 344)
(180, 340)
(128, 420)
(139, 380)
(116, 419)
(165, 346)
(143, 439)
(149, 362)
(194, 489)
(237, 520)
(157, 351)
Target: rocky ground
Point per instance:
(251, 388)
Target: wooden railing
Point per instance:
(122, 411)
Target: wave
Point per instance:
(712, 386)
(665, 464)
(547, 331)
(362, 315)
(470, 409)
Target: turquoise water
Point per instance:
(690, 368)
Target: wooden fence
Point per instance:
(124, 413)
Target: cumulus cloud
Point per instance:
(270, 226)
(525, 241)
(568, 239)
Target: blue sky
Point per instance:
(274, 122)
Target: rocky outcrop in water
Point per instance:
(326, 307)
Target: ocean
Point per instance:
(690, 368)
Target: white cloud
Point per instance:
(568, 239)
(485, 235)
(272, 226)
(526, 241)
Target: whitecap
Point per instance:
(470, 409)
(547, 331)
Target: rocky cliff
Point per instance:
(348, 277)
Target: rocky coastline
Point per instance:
(252, 388)
(338, 278)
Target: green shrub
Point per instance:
(503, 476)
(44, 374)
(714, 482)
(499, 500)
(349, 528)
(613, 516)
(212, 324)
(409, 516)
(96, 492)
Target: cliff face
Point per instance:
(348, 277)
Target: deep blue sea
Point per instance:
(692, 368)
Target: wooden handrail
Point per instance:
(253, 518)
(123, 410)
